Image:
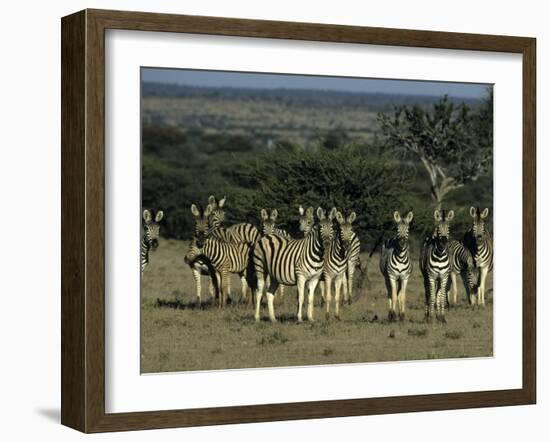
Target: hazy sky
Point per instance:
(282, 81)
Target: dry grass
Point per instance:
(177, 336)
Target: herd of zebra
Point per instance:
(327, 254)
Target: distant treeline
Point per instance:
(374, 102)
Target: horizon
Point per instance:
(266, 81)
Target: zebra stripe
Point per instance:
(462, 263)
(479, 243)
(268, 224)
(335, 264)
(199, 267)
(435, 265)
(223, 258)
(290, 262)
(151, 233)
(396, 266)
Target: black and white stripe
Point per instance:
(353, 251)
(462, 263)
(336, 260)
(396, 266)
(150, 238)
(435, 265)
(479, 243)
(222, 259)
(199, 267)
(287, 261)
(268, 224)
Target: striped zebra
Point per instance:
(435, 265)
(222, 259)
(462, 263)
(268, 224)
(479, 243)
(336, 262)
(296, 262)
(241, 232)
(396, 266)
(150, 238)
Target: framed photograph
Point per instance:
(269, 220)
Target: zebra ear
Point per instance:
(437, 215)
(473, 212)
(301, 210)
(450, 215)
(396, 216)
(339, 217)
(147, 216)
(333, 213)
(221, 202)
(212, 200)
(159, 216)
(484, 213)
(351, 217)
(409, 217)
(263, 214)
(194, 210)
(320, 213)
(208, 210)
(309, 212)
(274, 214)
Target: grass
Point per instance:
(178, 336)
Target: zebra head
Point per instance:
(442, 227)
(151, 228)
(478, 221)
(268, 221)
(202, 223)
(326, 226)
(346, 228)
(306, 219)
(217, 216)
(402, 227)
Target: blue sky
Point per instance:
(282, 81)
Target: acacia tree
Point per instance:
(453, 143)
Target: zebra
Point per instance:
(435, 265)
(268, 224)
(296, 262)
(479, 243)
(268, 228)
(336, 263)
(396, 265)
(150, 238)
(241, 232)
(221, 259)
(462, 263)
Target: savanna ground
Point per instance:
(178, 336)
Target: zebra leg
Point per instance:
(454, 286)
(197, 278)
(338, 284)
(393, 301)
(430, 297)
(351, 271)
(402, 298)
(272, 288)
(259, 293)
(326, 287)
(244, 288)
(344, 283)
(323, 293)
(300, 283)
(441, 297)
(312, 285)
(484, 271)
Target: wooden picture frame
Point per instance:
(83, 229)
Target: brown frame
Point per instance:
(83, 231)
